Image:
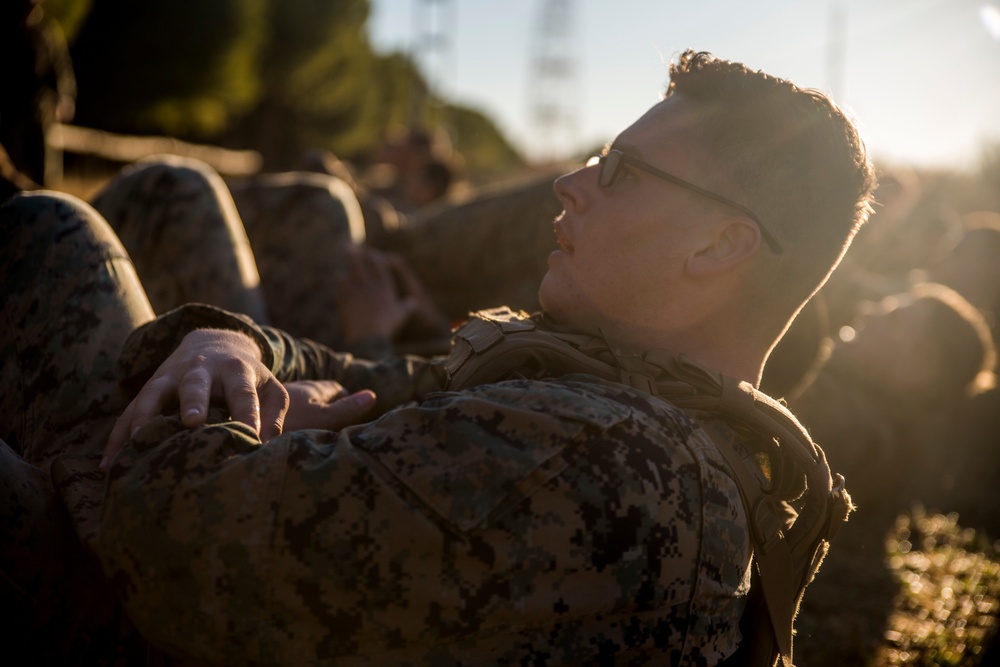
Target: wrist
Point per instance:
(225, 339)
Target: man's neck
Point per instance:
(722, 348)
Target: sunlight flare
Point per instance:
(990, 16)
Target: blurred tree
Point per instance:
(278, 76)
(70, 14)
(317, 74)
(487, 153)
(167, 66)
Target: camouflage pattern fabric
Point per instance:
(545, 521)
(300, 226)
(185, 233)
(69, 297)
(179, 224)
(531, 521)
(188, 236)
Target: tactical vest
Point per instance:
(787, 548)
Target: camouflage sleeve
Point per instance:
(523, 522)
(395, 380)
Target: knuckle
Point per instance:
(157, 383)
(244, 390)
(234, 366)
(194, 380)
(284, 401)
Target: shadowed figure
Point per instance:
(70, 297)
(879, 406)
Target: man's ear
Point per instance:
(730, 243)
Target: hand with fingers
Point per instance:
(426, 318)
(370, 301)
(208, 364)
(324, 404)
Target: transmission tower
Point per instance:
(836, 51)
(434, 23)
(553, 94)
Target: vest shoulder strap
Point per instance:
(499, 344)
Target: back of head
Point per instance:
(790, 155)
(965, 364)
(438, 176)
(923, 347)
(971, 267)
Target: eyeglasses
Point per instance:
(611, 165)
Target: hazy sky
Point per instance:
(922, 76)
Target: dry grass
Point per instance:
(949, 593)
(930, 597)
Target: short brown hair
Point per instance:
(789, 154)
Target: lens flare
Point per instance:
(990, 16)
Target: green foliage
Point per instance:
(183, 68)
(279, 76)
(487, 152)
(950, 591)
(317, 73)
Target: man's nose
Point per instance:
(571, 189)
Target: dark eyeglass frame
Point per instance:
(611, 165)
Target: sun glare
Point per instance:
(990, 16)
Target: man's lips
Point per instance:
(562, 237)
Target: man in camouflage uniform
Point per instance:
(544, 517)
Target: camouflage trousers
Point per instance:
(301, 226)
(69, 298)
(181, 228)
(269, 247)
(273, 246)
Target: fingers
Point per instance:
(147, 405)
(151, 399)
(119, 436)
(325, 390)
(348, 410)
(273, 408)
(194, 393)
(240, 393)
(371, 267)
(405, 276)
(208, 364)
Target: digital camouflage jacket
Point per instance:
(543, 521)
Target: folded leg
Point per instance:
(68, 299)
(180, 226)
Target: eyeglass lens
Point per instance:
(609, 168)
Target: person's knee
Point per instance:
(158, 176)
(302, 204)
(44, 216)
